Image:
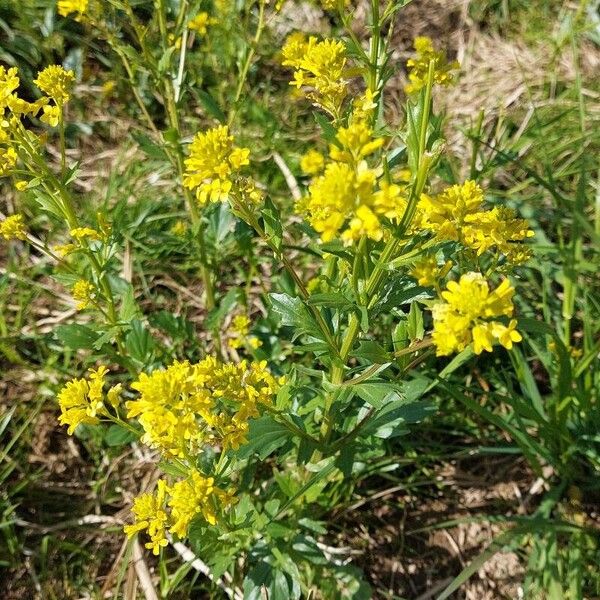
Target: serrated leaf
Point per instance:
(377, 393)
(76, 336)
(372, 352)
(139, 343)
(293, 313)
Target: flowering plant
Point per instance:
(267, 417)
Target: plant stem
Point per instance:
(248, 61)
(375, 279)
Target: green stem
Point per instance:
(375, 43)
(250, 218)
(63, 152)
(248, 61)
(376, 277)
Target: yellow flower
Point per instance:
(190, 497)
(185, 405)
(363, 107)
(64, 249)
(83, 293)
(200, 23)
(51, 115)
(150, 515)
(81, 401)
(390, 201)
(8, 160)
(179, 228)
(114, 395)
(172, 508)
(462, 317)
(427, 272)
(312, 163)
(56, 82)
(13, 227)
(66, 7)
(20, 107)
(457, 214)
(419, 66)
(85, 233)
(9, 82)
(331, 199)
(213, 159)
(364, 223)
(320, 66)
(238, 332)
(506, 335)
(342, 202)
(21, 185)
(356, 142)
(333, 4)
(108, 87)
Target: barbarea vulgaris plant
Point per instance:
(404, 266)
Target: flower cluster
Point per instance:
(457, 214)
(83, 293)
(56, 83)
(53, 81)
(466, 316)
(418, 67)
(239, 333)
(172, 508)
(428, 272)
(67, 7)
(320, 68)
(82, 401)
(349, 199)
(212, 161)
(200, 23)
(187, 405)
(13, 228)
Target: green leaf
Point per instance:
(272, 222)
(216, 316)
(415, 328)
(377, 393)
(279, 588)
(76, 336)
(391, 420)
(129, 308)
(329, 131)
(139, 343)
(258, 576)
(293, 313)
(48, 203)
(148, 147)
(265, 435)
(332, 300)
(211, 106)
(371, 351)
(395, 294)
(118, 436)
